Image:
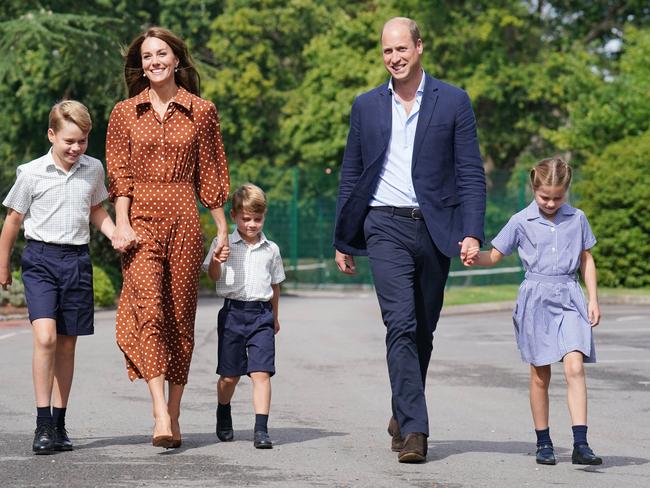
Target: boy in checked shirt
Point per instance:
(249, 280)
(56, 196)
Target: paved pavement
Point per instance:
(331, 405)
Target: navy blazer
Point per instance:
(447, 169)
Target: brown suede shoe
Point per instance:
(415, 448)
(397, 443)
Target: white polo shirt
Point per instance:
(250, 270)
(57, 204)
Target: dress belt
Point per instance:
(413, 212)
(567, 278)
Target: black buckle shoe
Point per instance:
(224, 429)
(582, 454)
(61, 440)
(44, 437)
(545, 455)
(261, 440)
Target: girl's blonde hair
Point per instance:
(551, 172)
(70, 111)
(249, 198)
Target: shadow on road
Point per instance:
(439, 450)
(281, 436)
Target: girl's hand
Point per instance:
(276, 325)
(594, 313)
(124, 238)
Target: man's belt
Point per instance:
(412, 212)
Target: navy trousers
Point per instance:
(410, 275)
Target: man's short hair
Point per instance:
(249, 198)
(412, 25)
(70, 111)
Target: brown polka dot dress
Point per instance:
(163, 165)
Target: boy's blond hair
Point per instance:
(249, 198)
(70, 111)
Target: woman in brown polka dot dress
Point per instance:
(163, 149)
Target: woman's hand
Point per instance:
(124, 238)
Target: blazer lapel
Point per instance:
(385, 114)
(429, 100)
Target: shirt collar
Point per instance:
(236, 237)
(182, 98)
(420, 89)
(532, 211)
(49, 162)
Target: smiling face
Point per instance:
(549, 199)
(69, 142)
(158, 61)
(249, 224)
(401, 53)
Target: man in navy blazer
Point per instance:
(411, 195)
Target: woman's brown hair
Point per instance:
(186, 75)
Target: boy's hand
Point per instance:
(5, 277)
(276, 325)
(594, 313)
(124, 238)
(222, 255)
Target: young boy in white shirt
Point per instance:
(249, 280)
(56, 196)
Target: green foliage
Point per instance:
(103, 290)
(615, 195)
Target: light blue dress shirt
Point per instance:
(395, 186)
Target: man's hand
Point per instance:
(345, 262)
(469, 249)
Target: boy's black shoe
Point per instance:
(224, 428)
(545, 455)
(61, 440)
(261, 440)
(44, 437)
(582, 454)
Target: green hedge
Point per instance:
(615, 194)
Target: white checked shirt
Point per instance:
(250, 270)
(57, 204)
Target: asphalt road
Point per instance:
(331, 406)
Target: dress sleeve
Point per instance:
(588, 238)
(211, 179)
(118, 155)
(507, 240)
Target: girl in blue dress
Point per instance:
(552, 321)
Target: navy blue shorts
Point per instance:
(58, 283)
(246, 338)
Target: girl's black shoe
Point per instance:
(44, 437)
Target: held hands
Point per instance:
(222, 250)
(594, 312)
(469, 249)
(124, 238)
(345, 263)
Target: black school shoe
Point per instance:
(61, 440)
(261, 440)
(225, 432)
(545, 455)
(582, 454)
(44, 437)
